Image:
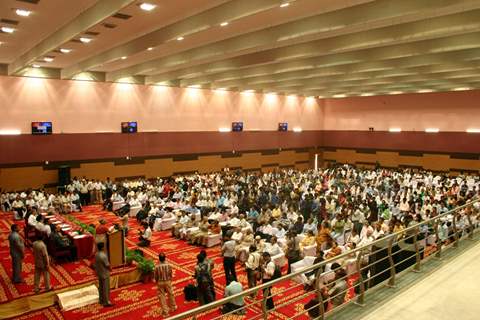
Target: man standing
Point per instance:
(252, 265)
(16, 253)
(102, 267)
(163, 277)
(228, 250)
(42, 264)
(268, 269)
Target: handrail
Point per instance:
(390, 238)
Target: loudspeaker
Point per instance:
(63, 175)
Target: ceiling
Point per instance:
(326, 48)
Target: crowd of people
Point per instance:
(261, 216)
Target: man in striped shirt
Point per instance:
(163, 277)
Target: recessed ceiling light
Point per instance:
(284, 5)
(23, 13)
(150, 49)
(64, 50)
(462, 89)
(123, 58)
(395, 130)
(7, 29)
(147, 6)
(395, 92)
(35, 66)
(224, 24)
(432, 130)
(339, 95)
(85, 39)
(180, 38)
(424, 91)
(195, 86)
(48, 59)
(473, 130)
(367, 94)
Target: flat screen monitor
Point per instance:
(283, 126)
(41, 128)
(129, 127)
(237, 126)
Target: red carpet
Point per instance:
(137, 301)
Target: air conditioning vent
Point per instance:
(122, 16)
(30, 1)
(8, 21)
(109, 25)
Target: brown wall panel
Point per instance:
(36, 177)
(429, 161)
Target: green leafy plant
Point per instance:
(146, 266)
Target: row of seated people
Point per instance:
(59, 246)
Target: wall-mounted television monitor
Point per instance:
(41, 128)
(283, 126)
(237, 126)
(129, 127)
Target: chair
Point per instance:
(213, 239)
(302, 264)
(58, 253)
(310, 250)
(167, 223)
(280, 259)
(117, 205)
(134, 210)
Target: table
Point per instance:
(83, 242)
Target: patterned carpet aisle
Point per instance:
(137, 301)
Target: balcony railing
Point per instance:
(378, 263)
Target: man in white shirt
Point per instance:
(268, 269)
(146, 237)
(252, 266)
(228, 251)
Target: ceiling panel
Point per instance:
(308, 47)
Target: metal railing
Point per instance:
(391, 250)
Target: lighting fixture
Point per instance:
(194, 86)
(284, 5)
(147, 6)
(248, 91)
(395, 92)
(48, 59)
(473, 130)
(224, 24)
(462, 89)
(432, 130)
(339, 95)
(367, 94)
(10, 132)
(85, 39)
(180, 38)
(123, 58)
(424, 91)
(395, 130)
(224, 129)
(64, 50)
(7, 29)
(150, 49)
(35, 66)
(297, 129)
(22, 12)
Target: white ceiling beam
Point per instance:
(85, 20)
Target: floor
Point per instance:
(451, 292)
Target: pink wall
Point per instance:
(451, 111)
(88, 107)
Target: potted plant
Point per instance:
(146, 267)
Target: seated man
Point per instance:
(308, 240)
(183, 222)
(234, 288)
(214, 228)
(272, 247)
(146, 237)
(61, 242)
(201, 232)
